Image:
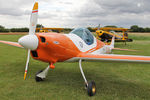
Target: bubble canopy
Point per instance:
(84, 34)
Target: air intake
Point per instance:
(34, 53)
(42, 39)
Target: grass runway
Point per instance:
(114, 81)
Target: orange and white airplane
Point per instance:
(78, 45)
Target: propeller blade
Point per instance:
(27, 64)
(33, 20)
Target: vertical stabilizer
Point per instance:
(112, 42)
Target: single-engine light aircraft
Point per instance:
(78, 45)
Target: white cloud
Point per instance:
(76, 13)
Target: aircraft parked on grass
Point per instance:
(78, 45)
(105, 34)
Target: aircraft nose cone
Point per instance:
(29, 42)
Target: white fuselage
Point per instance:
(83, 47)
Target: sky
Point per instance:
(76, 13)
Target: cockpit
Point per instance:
(84, 34)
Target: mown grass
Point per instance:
(140, 36)
(115, 81)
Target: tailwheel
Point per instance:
(91, 88)
(37, 78)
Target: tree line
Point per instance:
(133, 28)
(3, 29)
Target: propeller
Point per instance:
(30, 41)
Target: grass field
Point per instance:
(115, 81)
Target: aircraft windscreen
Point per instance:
(84, 34)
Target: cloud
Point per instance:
(130, 6)
(76, 13)
(115, 12)
(14, 7)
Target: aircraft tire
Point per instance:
(91, 88)
(38, 79)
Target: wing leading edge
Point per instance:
(12, 43)
(112, 57)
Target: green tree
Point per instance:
(141, 29)
(4, 30)
(39, 26)
(147, 29)
(134, 28)
(2, 27)
(111, 26)
(19, 29)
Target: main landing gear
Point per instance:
(90, 86)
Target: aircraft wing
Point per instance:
(11, 43)
(112, 57)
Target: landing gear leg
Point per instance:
(125, 43)
(90, 86)
(41, 75)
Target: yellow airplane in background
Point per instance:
(46, 30)
(105, 34)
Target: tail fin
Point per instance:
(112, 42)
